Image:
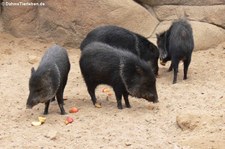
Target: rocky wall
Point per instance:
(68, 21)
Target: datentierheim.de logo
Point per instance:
(22, 4)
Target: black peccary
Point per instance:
(124, 71)
(122, 38)
(50, 78)
(176, 44)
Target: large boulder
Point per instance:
(210, 14)
(205, 35)
(67, 22)
(182, 2)
(20, 20)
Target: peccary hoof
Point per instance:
(128, 106)
(63, 113)
(155, 101)
(120, 107)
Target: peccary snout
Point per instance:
(31, 101)
(151, 98)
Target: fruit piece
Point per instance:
(73, 110)
(42, 119)
(66, 122)
(69, 119)
(35, 123)
(98, 105)
(105, 90)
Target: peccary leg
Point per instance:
(125, 96)
(46, 106)
(186, 64)
(91, 91)
(170, 68)
(59, 96)
(63, 87)
(175, 68)
(53, 99)
(118, 97)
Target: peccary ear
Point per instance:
(131, 74)
(32, 70)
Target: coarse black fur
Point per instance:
(124, 71)
(124, 39)
(176, 44)
(50, 78)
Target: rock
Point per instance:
(168, 12)
(205, 35)
(32, 59)
(128, 144)
(182, 2)
(77, 18)
(7, 51)
(188, 121)
(20, 21)
(163, 26)
(222, 47)
(210, 14)
(1, 26)
(53, 135)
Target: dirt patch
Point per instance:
(145, 125)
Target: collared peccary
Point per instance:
(50, 78)
(176, 44)
(124, 39)
(124, 71)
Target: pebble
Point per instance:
(188, 121)
(128, 144)
(52, 135)
(32, 59)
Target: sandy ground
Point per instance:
(197, 105)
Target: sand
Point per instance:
(190, 114)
